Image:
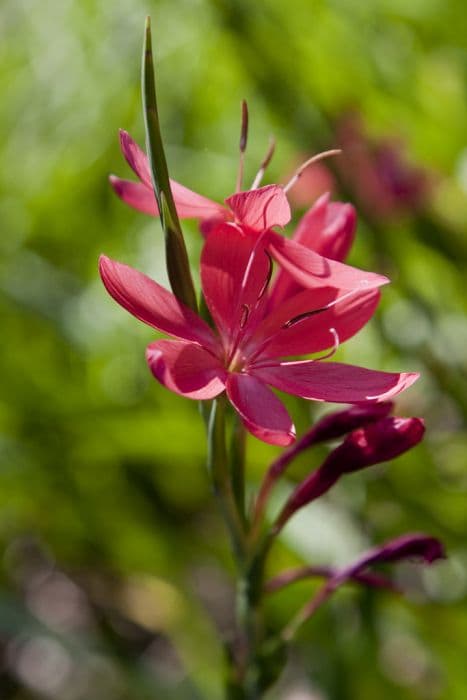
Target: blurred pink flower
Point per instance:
(243, 356)
(383, 182)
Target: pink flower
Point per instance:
(243, 356)
(385, 185)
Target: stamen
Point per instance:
(301, 317)
(310, 161)
(242, 145)
(308, 314)
(264, 164)
(244, 316)
(268, 277)
(334, 348)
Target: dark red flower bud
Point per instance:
(340, 423)
(375, 443)
(410, 546)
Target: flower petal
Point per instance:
(328, 228)
(263, 414)
(234, 271)
(333, 381)
(186, 369)
(189, 204)
(310, 269)
(153, 304)
(135, 157)
(262, 208)
(135, 194)
(312, 333)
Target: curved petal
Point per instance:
(262, 413)
(135, 194)
(235, 270)
(328, 228)
(288, 330)
(311, 270)
(186, 369)
(135, 157)
(189, 205)
(262, 208)
(153, 304)
(335, 382)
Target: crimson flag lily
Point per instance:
(244, 355)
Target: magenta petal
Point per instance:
(136, 158)
(261, 411)
(335, 382)
(310, 269)
(328, 228)
(136, 195)
(189, 205)
(186, 369)
(154, 305)
(312, 333)
(262, 208)
(234, 272)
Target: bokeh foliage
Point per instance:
(113, 547)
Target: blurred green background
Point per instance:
(115, 573)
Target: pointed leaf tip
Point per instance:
(176, 255)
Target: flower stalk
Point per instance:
(217, 463)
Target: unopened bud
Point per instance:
(375, 443)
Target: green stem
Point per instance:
(237, 465)
(218, 469)
(254, 661)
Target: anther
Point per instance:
(264, 164)
(308, 314)
(301, 317)
(244, 316)
(242, 145)
(310, 161)
(268, 277)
